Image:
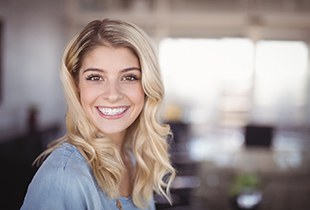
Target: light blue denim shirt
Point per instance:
(65, 182)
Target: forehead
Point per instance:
(104, 55)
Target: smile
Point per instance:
(108, 111)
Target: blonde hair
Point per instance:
(147, 136)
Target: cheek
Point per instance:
(86, 97)
(139, 97)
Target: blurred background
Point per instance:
(237, 83)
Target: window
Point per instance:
(207, 78)
(232, 81)
(280, 82)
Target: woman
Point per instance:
(115, 152)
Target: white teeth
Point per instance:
(111, 111)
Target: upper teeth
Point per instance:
(112, 111)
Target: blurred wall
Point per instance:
(33, 43)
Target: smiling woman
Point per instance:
(115, 153)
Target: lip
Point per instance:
(114, 112)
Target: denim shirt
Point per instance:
(65, 181)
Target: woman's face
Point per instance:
(110, 89)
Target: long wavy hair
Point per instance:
(146, 137)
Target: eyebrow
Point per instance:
(122, 71)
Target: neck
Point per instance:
(119, 141)
(126, 184)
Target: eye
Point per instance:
(94, 77)
(130, 77)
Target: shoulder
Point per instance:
(66, 152)
(65, 158)
(66, 162)
(63, 179)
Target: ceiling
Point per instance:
(298, 6)
(257, 19)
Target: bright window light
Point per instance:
(281, 81)
(207, 79)
(197, 71)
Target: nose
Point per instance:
(113, 92)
